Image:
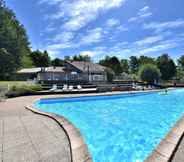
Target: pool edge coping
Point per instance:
(166, 149)
(78, 148)
(163, 152)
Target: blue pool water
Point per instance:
(120, 128)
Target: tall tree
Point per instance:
(149, 73)
(57, 62)
(81, 58)
(146, 60)
(6, 60)
(181, 62)
(134, 64)
(113, 63)
(124, 65)
(167, 67)
(40, 59)
(13, 37)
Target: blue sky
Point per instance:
(103, 27)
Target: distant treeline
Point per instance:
(15, 53)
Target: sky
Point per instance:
(97, 28)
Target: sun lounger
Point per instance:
(79, 87)
(54, 87)
(70, 88)
(65, 87)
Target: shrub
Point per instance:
(21, 90)
(149, 73)
(2, 93)
(110, 74)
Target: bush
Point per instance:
(21, 90)
(149, 73)
(110, 75)
(2, 93)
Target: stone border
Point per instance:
(78, 148)
(165, 151)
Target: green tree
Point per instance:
(57, 62)
(124, 65)
(40, 59)
(149, 73)
(167, 67)
(146, 60)
(181, 62)
(67, 58)
(6, 59)
(13, 37)
(113, 63)
(110, 74)
(134, 64)
(81, 58)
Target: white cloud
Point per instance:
(80, 12)
(157, 48)
(144, 9)
(122, 28)
(51, 2)
(50, 28)
(142, 14)
(88, 53)
(160, 26)
(149, 40)
(64, 37)
(92, 36)
(112, 22)
(132, 19)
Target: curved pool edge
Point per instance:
(166, 149)
(163, 152)
(78, 148)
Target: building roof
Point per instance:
(55, 69)
(29, 70)
(85, 66)
(39, 69)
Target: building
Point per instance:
(71, 72)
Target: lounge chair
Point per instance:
(79, 87)
(65, 87)
(70, 88)
(54, 87)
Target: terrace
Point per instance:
(36, 136)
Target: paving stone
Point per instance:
(179, 155)
(29, 137)
(57, 158)
(21, 153)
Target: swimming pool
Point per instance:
(120, 128)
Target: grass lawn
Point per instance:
(13, 83)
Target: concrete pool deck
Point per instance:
(26, 136)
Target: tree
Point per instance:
(57, 62)
(81, 58)
(149, 73)
(67, 58)
(167, 67)
(113, 63)
(134, 64)
(40, 59)
(6, 60)
(13, 37)
(125, 66)
(110, 74)
(181, 62)
(146, 60)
